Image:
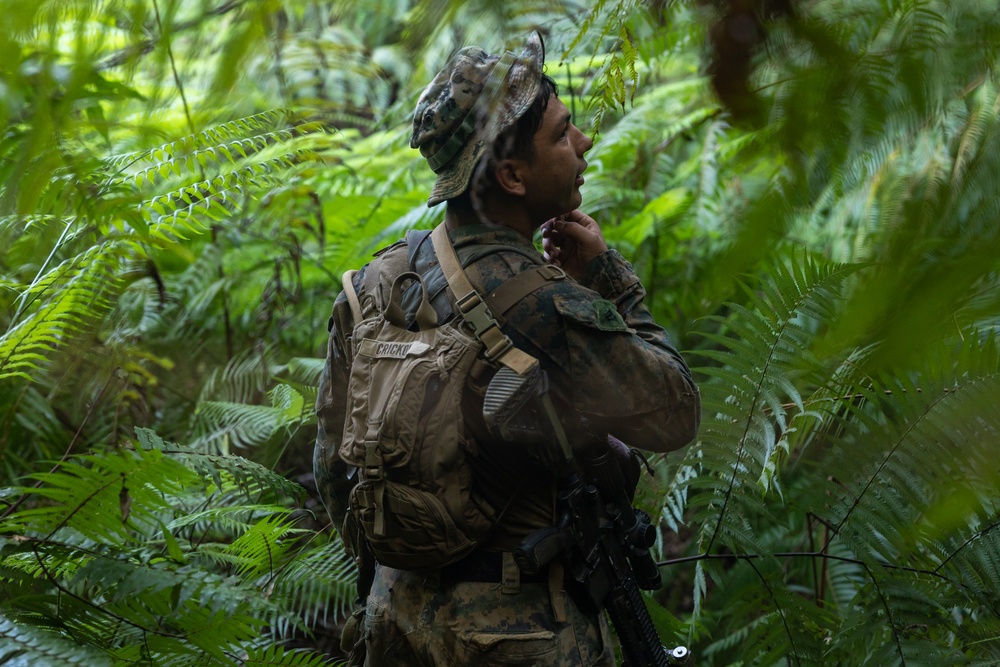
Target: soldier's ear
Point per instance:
(510, 176)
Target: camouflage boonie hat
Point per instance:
(467, 105)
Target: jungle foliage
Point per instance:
(806, 188)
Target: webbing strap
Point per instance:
(453, 273)
(475, 310)
(426, 317)
(374, 472)
(347, 280)
(514, 289)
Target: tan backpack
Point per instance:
(415, 502)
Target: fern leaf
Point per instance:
(26, 646)
(83, 286)
(103, 497)
(316, 582)
(278, 656)
(245, 476)
(265, 122)
(260, 550)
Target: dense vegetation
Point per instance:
(807, 189)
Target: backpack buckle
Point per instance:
(478, 315)
(475, 311)
(374, 469)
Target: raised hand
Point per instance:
(571, 241)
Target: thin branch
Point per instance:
(173, 68)
(746, 431)
(800, 554)
(849, 397)
(888, 613)
(298, 556)
(825, 569)
(270, 557)
(885, 605)
(120, 619)
(147, 46)
(226, 315)
(885, 462)
(24, 295)
(815, 571)
(781, 612)
(79, 507)
(967, 543)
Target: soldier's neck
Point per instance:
(464, 211)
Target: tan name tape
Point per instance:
(386, 350)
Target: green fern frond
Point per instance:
(756, 376)
(244, 379)
(762, 429)
(261, 549)
(303, 370)
(188, 312)
(229, 519)
(316, 583)
(42, 434)
(84, 287)
(249, 425)
(227, 472)
(26, 646)
(675, 496)
(894, 485)
(102, 497)
(612, 90)
(98, 550)
(264, 124)
(278, 656)
(194, 208)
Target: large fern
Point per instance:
(26, 646)
(118, 553)
(807, 463)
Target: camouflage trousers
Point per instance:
(415, 619)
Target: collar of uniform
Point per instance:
(488, 234)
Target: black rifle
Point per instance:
(602, 539)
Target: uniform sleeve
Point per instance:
(331, 405)
(640, 361)
(608, 358)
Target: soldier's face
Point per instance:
(553, 179)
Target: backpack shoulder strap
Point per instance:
(512, 290)
(483, 251)
(475, 310)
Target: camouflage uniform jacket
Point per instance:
(607, 360)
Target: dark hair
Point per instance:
(518, 140)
